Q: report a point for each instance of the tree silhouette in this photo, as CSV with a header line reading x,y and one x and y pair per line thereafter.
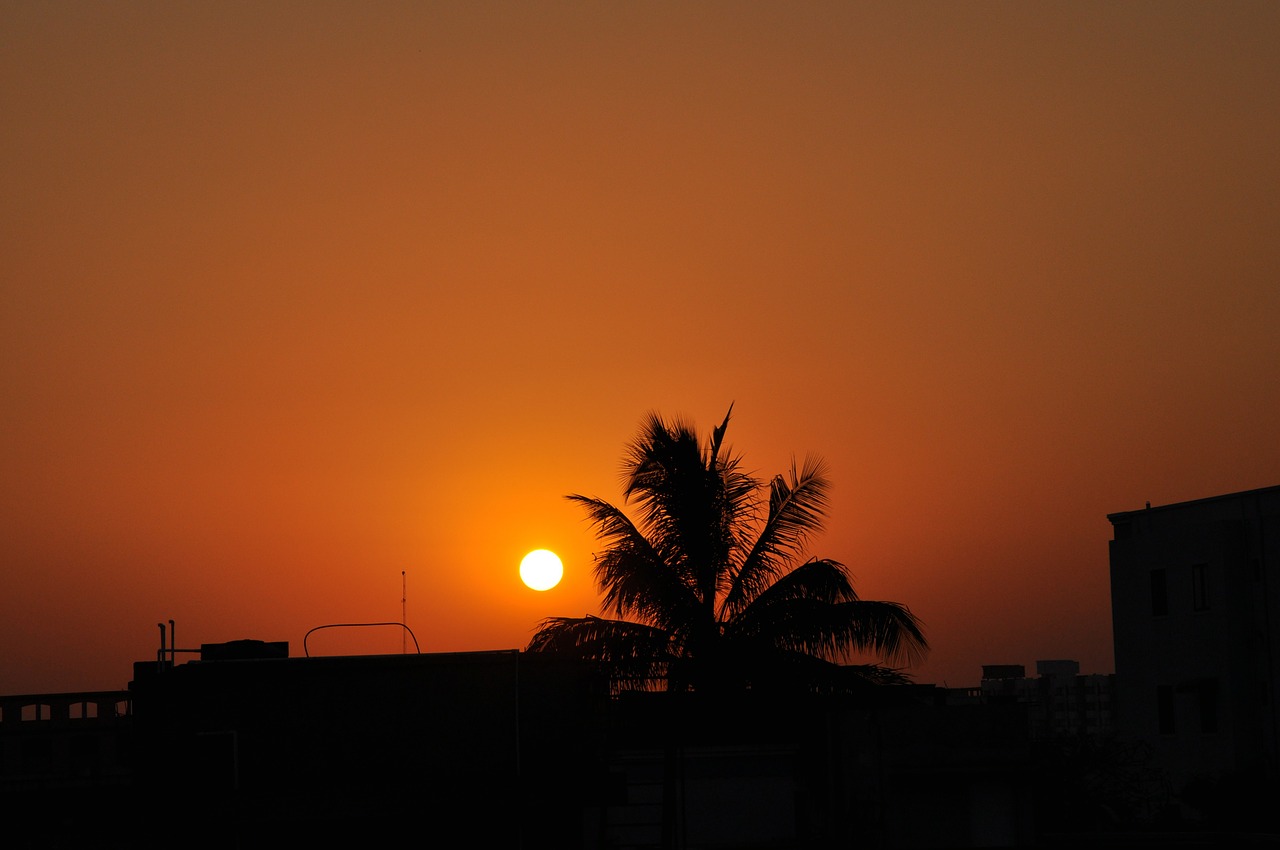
x,y
705,588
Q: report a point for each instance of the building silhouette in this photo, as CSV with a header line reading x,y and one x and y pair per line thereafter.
x,y
1061,702
247,747
1196,617
66,767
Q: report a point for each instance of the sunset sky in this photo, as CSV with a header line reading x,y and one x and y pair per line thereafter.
x,y
299,296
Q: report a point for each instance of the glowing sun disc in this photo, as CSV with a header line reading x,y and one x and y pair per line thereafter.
x,y
541,569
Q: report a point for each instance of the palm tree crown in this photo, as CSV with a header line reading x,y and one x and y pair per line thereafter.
x,y
705,585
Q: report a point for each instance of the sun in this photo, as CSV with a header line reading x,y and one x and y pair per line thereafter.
x,y
541,569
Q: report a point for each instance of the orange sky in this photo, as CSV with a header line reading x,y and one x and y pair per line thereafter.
x,y
298,296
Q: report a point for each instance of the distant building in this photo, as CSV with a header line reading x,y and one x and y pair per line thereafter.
x,y
1195,602
1060,702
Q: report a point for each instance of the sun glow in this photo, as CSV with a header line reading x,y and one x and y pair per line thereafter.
x,y
541,569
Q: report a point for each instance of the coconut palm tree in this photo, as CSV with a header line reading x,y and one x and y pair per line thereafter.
x,y
706,588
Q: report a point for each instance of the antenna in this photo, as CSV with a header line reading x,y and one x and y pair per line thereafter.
x,y
403,595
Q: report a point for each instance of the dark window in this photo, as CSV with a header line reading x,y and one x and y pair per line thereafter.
x,y
1164,708
1159,592
36,711
213,761
36,755
1209,706
1200,587
82,753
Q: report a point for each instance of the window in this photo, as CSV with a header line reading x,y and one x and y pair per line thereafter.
x,y
1200,587
82,754
1208,692
36,755
1159,593
1164,709
84,710
36,711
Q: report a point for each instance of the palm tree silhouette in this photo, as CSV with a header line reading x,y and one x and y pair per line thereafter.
x,y
705,586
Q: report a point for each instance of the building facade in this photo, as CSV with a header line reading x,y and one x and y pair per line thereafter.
x,y
1061,703
1197,636
248,747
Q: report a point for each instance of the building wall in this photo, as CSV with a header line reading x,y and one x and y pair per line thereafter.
x,y
52,740
895,767
66,770
278,752
1193,601
510,749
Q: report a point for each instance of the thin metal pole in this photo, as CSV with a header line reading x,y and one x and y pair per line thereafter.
x,y
403,595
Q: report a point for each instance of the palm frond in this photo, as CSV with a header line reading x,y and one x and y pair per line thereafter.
x,y
741,508
887,630
717,437
815,609
666,476
797,510
873,674
625,649
637,586
817,578
635,578
690,501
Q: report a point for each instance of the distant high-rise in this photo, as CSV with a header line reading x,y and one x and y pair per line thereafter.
x,y
1061,703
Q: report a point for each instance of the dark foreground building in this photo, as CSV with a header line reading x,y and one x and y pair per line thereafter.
x,y
496,747
1196,615
66,769
247,747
